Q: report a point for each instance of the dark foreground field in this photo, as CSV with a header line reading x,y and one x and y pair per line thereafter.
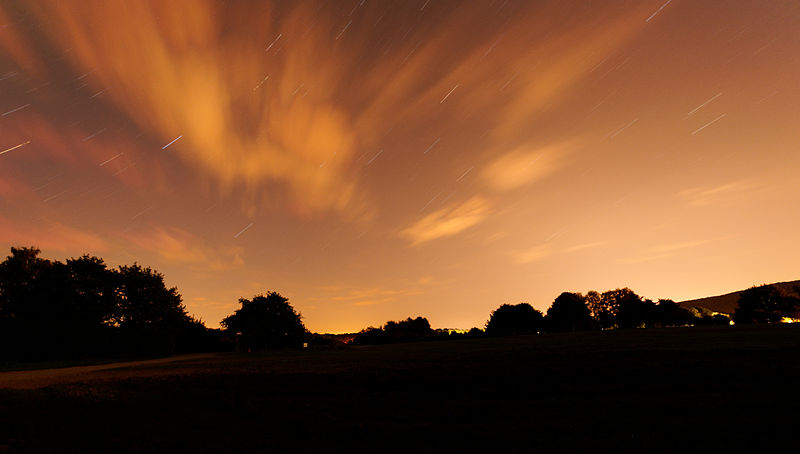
x,y
644,390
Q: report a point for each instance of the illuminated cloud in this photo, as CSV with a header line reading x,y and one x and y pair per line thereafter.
x,y
176,72
371,296
51,236
710,195
581,247
572,56
264,95
666,250
533,254
447,221
95,153
175,245
671,247
13,44
13,189
524,166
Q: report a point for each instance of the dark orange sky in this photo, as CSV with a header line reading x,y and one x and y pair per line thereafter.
x,y
374,160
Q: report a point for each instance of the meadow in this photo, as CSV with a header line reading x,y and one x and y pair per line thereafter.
x,y
649,390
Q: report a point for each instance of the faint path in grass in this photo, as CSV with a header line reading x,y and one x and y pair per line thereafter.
x,y
32,379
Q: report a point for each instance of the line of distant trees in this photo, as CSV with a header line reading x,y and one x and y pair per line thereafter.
x,y
613,309
619,308
82,308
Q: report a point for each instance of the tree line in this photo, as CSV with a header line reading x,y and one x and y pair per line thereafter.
x,y
613,309
82,308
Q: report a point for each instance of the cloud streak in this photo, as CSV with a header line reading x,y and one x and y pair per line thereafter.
x,y
524,166
447,221
711,195
175,245
533,254
52,236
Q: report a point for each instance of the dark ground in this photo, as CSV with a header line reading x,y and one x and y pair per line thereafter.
x,y
657,390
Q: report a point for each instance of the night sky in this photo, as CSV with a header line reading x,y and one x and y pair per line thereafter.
x,y
374,160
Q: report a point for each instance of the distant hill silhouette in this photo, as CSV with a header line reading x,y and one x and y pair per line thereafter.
x,y
728,302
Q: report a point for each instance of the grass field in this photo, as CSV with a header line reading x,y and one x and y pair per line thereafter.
x,y
655,390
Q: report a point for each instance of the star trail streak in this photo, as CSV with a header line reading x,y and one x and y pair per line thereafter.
x,y
15,147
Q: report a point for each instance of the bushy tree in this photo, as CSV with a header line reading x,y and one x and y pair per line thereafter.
x,y
629,310
669,313
568,313
145,300
509,320
26,318
370,336
765,304
51,309
266,322
408,330
21,276
92,292
601,310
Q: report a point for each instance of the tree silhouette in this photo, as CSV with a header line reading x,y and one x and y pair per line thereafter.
x,y
145,301
508,320
370,336
669,313
266,322
20,276
568,313
51,309
150,316
601,310
629,309
30,316
92,292
765,304
408,330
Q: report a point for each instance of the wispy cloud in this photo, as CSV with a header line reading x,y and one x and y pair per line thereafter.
x,y
371,296
665,250
710,195
533,254
677,246
524,166
644,258
51,236
447,221
581,247
179,246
